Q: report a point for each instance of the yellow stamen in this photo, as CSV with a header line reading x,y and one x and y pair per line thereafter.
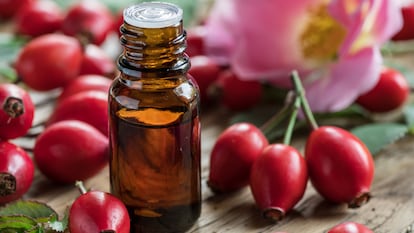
x,y
322,36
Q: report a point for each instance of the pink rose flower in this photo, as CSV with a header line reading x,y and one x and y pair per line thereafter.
x,y
333,44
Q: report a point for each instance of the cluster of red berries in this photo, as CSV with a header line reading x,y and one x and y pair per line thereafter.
x,y
218,83
16,166
338,164
63,52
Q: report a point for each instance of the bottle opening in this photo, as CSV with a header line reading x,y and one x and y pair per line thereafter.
x,y
153,15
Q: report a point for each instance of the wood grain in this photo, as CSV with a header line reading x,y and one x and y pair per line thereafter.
x,y
391,208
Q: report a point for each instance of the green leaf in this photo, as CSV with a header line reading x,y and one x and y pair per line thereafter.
x,y
378,135
31,217
60,226
408,112
36,210
17,224
10,46
7,74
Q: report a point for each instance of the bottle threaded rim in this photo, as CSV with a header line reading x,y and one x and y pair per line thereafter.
x,y
153,15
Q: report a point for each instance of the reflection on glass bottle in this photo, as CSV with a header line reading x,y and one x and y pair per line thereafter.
x,y
154,123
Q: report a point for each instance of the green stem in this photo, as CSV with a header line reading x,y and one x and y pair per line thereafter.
x,y
275,120
292,120
300,91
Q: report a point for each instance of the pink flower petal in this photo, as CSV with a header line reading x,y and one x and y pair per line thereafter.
x,y
345,80
265,35
369,21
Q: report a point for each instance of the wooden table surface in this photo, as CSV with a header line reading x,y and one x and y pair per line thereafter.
x,y
391,209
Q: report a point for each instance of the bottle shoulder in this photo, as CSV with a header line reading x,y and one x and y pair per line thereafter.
x,y
171,91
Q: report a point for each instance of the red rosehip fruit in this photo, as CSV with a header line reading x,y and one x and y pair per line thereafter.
x,y
96,61
87,106
49,61
195,41
233,155
278,180
39,18
237,94
341,168
9,8
16,113
97,211
16,172
71,150
391,92
205,72
407,30
90,21
350,227
87,82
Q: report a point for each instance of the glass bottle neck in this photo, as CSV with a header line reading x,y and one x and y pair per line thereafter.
x,y
149,51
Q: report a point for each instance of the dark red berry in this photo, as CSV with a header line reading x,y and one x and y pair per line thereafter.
x,y
38,18
237,94
16,172
49,61
205,71
9,8
233,155
350,227
71,150
341,168
88,82
97,211
390,93
96,61
278,180
90,21
87,106
195,41
16,111
407,30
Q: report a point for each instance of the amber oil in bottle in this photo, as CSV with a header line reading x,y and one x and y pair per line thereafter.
x,y
154,123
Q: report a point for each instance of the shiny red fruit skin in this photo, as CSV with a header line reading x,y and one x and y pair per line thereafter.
x,y
88,20
49,61
96,211
390,93
278,179
407,31
237,94
232,156
87,82
15,122
118,21
205,71
96,61
70,150
350,227
341,168
9,8
16,162
87,106
195,41
39,18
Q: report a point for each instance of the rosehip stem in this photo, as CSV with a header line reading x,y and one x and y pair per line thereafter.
x,y
81,187
300,91
269,126
292,120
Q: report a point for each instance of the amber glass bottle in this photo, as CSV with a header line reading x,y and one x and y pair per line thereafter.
x,y
154,123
